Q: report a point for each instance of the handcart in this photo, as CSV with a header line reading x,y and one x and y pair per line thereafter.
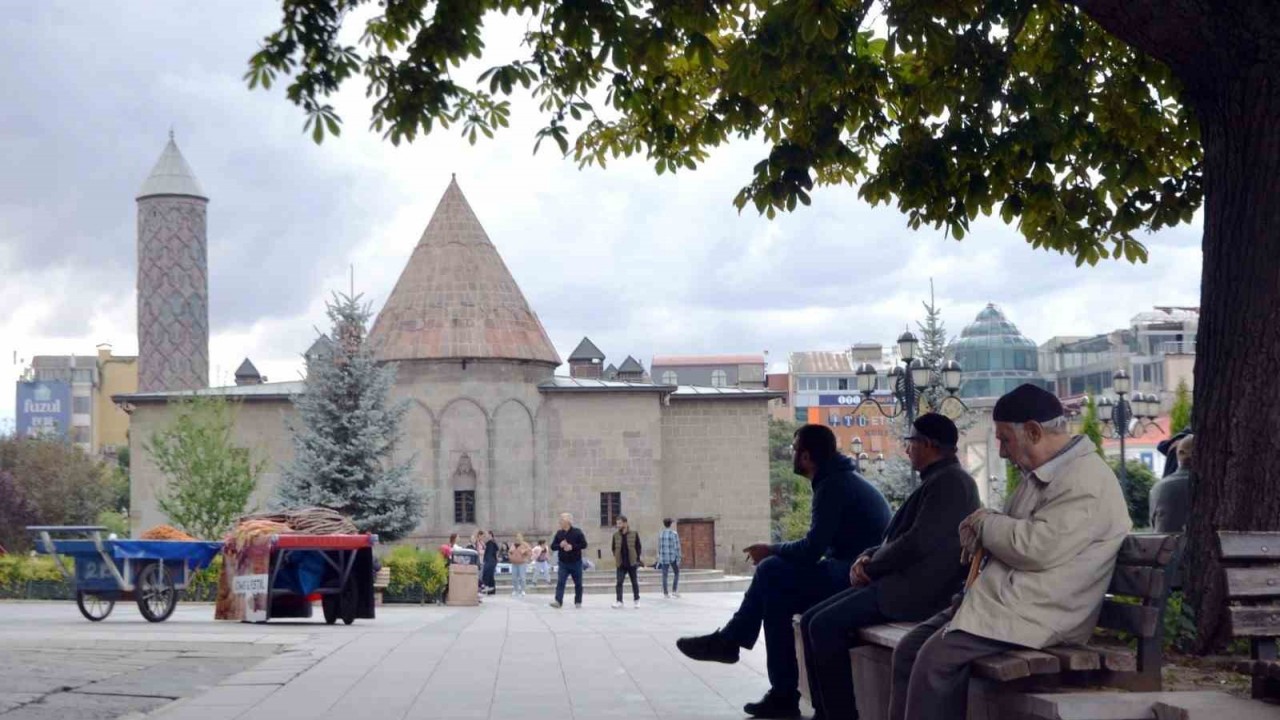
x,y
299,569
151,572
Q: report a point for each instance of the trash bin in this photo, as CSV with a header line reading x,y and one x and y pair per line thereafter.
x,y
463,585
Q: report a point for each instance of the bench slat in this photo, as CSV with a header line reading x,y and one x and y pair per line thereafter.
x,y
1249,545
1254,582
1002,668
1075,657
1256,621
1147,549
1116,660
1136,619
1137,581
1038,663
882,635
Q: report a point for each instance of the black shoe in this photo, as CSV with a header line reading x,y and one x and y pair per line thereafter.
x,y
773,705
711,648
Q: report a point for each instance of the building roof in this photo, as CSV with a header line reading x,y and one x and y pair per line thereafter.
x,y
265,391
55,362
991,330
780,382
698,360
560,383
456,299
630,365
586,351
819,362
171,175
699,392
247,369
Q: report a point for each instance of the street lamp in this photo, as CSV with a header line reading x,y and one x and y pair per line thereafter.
x,y
858,455
911,380
1118,415
879,462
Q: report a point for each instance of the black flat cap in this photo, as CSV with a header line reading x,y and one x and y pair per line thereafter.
x,y
935,427
1025,403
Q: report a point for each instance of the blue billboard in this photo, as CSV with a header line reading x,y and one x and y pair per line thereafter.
x,y
44,408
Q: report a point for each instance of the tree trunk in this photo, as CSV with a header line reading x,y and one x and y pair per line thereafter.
x,y
1237,375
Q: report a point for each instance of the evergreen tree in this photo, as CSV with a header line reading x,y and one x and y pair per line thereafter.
x,y
933,349
347,432
1090,426
1180,415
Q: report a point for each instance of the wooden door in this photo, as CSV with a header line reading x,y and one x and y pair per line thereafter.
x,y
698,543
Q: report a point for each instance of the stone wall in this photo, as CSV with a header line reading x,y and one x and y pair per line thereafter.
x,y
715,466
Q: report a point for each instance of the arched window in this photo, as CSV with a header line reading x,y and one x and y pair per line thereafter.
x,y
719,378
669,378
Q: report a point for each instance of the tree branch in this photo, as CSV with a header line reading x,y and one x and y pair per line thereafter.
x,y
1172,31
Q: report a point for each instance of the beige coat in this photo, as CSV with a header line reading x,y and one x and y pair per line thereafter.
x,y
519,553
1051,557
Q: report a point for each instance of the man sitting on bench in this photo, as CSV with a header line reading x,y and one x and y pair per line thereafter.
x,y
909,577
1046,561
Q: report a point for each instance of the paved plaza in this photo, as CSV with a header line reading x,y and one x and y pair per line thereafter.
x,y
508,658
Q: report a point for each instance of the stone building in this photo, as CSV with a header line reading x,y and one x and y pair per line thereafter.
x,y
502,442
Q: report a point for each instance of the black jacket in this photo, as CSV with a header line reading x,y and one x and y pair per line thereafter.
x,y
849,515
490,552
917,568
577,541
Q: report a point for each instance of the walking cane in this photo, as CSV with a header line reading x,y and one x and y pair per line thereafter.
x,y
975,565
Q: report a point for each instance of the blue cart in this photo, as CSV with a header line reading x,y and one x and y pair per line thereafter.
x,y
106,570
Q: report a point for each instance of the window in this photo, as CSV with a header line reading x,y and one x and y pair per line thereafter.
x,y
464,506
719,378
843,384
610,508
669,378
80,435
81,405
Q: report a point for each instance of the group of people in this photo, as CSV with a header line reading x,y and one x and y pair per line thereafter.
x,y
1040,568
522,557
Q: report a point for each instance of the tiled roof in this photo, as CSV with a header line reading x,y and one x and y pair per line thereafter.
x,y
247,369
696,360
560,383
630,365
698,392
265,391
456,299
586,350
171,175
805,363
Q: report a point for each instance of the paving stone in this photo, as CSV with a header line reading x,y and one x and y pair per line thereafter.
x,y
61,706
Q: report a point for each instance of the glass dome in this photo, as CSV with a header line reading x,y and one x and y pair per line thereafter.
x,y
996,357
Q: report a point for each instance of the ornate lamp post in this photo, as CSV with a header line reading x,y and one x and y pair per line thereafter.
x,y
1118,415
910,380
858,455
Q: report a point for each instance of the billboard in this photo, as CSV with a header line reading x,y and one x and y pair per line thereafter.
x,y
44,408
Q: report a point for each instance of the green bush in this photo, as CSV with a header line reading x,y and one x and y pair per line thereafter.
x,y
18,570
204,583
114,522
1137,490
414,570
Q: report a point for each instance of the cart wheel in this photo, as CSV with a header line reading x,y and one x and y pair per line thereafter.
x,y
157,597
330,605
95,608
348,600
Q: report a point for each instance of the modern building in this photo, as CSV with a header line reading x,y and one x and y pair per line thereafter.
x,y
501,442
995,357
173,278
89,418
824,390
745,371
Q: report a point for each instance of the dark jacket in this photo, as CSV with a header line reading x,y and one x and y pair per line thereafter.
x,y
849,515
1170,502
490,552
1169,448
917,569
632,541
577,541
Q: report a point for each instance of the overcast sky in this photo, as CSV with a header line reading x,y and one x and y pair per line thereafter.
x,y
643,264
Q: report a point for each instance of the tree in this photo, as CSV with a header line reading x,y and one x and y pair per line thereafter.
x,y
896,480
933,348
784,484
1012,477
1136,487
56,480
1180,413
1082,122
1090,426
346,434
209,477
16,513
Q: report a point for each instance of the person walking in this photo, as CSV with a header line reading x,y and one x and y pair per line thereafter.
x,y
669,557
626,557
490,563
569,542
447,549
519,558
542,562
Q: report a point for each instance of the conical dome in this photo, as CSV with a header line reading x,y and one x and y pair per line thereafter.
x,y
995,356
171,175
457,300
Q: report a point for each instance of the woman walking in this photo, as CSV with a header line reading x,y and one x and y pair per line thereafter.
x,y
519,556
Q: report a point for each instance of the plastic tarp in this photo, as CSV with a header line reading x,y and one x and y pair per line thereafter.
x,y
302,572
199,553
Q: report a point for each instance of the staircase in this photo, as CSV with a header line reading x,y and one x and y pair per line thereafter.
x,y
602,582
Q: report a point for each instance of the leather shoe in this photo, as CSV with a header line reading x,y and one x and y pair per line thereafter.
x,y
710,648
773,705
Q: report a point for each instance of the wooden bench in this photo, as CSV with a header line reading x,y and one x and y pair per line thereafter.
x,y
1251,564
1134,605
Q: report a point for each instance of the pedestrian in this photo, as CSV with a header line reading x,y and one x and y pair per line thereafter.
x,y
519,558
1044,564
626,558
447,549
542,563
849,515
570,542
669,557
490,563
908,577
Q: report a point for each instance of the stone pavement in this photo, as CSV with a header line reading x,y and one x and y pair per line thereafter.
x,y
508,658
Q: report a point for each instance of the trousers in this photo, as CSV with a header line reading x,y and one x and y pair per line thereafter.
x,y
565,571
780,589
543,568
931,668
635,583
826,629
675,568
518,571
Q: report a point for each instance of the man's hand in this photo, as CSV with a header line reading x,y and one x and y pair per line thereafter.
x,y
565,546
757,552
971,535
857,574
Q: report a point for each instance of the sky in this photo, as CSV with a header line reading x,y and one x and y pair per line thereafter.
x,y
642,264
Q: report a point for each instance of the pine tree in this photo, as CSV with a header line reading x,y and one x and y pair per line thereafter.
x,y
347,432
933,349
1180,414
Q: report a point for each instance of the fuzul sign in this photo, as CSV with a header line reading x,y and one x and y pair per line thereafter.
x,y
44,408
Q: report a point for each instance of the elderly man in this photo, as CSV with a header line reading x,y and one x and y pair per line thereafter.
x,y
1170,500
909,576
1048,561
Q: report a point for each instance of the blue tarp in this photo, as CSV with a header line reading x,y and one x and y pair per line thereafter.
x,y
199,553
302,572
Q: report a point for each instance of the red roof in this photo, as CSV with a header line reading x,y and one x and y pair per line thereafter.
x,y
688,360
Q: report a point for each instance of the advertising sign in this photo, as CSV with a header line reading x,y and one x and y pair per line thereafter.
x,y
846,400
44,408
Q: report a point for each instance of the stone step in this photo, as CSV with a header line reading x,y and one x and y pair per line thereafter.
x,y
505,579
648,585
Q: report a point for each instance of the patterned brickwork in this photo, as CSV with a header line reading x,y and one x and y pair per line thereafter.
x,y
173,294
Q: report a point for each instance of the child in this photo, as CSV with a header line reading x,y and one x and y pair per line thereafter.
x,y
542,562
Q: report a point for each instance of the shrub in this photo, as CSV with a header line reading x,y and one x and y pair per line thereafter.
x,y
414,570
18,570
1137,489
